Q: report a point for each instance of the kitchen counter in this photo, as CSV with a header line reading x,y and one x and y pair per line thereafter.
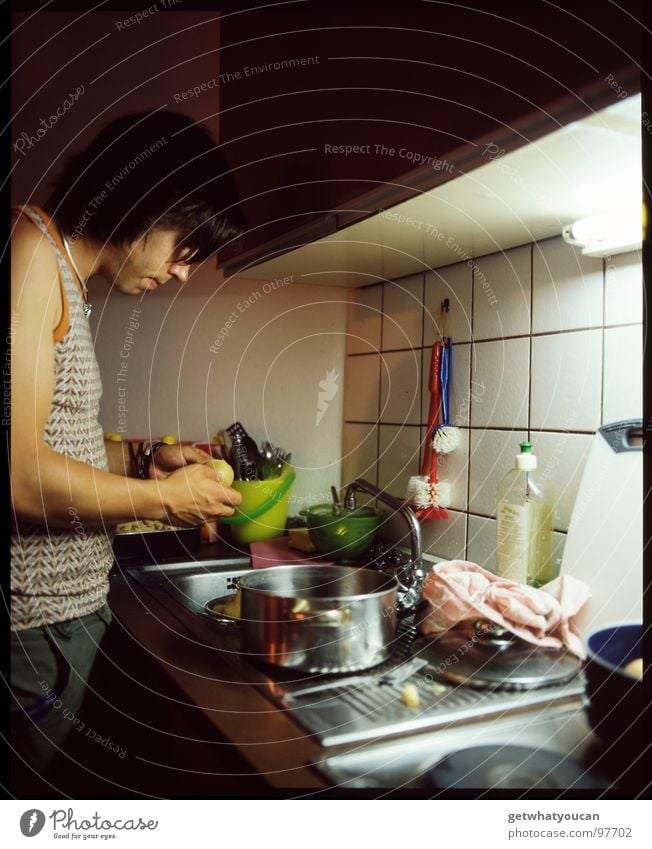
x,y
273,744
282,752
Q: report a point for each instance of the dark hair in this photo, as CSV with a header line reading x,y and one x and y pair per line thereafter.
x,y
149,170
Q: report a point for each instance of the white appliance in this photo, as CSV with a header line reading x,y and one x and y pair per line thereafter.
x,y
604,547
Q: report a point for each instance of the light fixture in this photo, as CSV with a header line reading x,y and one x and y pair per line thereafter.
x,y
604,235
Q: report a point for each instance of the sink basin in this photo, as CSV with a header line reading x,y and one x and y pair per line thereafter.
x,y
193,590
192,583
184,589
218,555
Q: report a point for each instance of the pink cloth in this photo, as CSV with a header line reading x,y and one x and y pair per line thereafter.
x,y
459,591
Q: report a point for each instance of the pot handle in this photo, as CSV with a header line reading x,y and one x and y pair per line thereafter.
x,y
335,618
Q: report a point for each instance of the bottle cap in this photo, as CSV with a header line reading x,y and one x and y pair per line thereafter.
x,y
525,461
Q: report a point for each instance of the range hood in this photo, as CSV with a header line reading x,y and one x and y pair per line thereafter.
x,y
582,169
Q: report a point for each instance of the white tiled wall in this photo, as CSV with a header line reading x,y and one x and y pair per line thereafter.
x,y
547,346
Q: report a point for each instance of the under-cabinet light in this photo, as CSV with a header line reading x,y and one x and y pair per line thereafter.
x,y
604,235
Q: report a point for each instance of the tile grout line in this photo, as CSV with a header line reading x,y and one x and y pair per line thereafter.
x,y
604,321
423,370
423,339
470,396
380,361
476,515
543,333
488,428
529,388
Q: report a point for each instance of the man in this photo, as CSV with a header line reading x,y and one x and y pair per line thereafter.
x,y
148,197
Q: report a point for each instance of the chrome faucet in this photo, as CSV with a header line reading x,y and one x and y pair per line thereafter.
x,y
412,576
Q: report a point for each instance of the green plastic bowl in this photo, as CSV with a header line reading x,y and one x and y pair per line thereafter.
x,y
341,538
264,509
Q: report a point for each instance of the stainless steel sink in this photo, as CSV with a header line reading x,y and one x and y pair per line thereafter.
x,y
219,555
192,588
335,709
184,589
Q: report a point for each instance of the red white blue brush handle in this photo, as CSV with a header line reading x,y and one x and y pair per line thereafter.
x,y
429,464
444,372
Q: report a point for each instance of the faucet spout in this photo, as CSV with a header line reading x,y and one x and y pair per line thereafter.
x,y
414,575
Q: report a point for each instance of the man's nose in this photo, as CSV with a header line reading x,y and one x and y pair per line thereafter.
x,y
180,271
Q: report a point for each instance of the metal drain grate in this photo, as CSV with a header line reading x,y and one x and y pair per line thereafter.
x,y
362,707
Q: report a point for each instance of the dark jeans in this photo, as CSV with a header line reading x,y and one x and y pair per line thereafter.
x,y
50,668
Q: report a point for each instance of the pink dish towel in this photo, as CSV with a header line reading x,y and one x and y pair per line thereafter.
x,y
459,591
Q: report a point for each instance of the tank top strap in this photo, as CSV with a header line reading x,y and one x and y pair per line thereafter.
x,y
44,224
38,217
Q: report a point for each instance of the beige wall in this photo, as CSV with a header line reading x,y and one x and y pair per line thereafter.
x,y
209,354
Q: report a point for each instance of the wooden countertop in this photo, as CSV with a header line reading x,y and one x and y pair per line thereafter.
x,y
275,746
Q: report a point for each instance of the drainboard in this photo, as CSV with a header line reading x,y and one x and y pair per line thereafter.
x,y
338,709
405,763
341,714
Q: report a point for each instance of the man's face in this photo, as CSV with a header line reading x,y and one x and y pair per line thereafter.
x,y
149,262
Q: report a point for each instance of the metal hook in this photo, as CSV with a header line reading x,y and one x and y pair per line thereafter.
x,y
444,306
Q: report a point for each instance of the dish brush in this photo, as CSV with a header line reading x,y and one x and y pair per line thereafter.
x,y
446,438
425,491
428,494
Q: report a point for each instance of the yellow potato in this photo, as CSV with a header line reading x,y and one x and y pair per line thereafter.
x,y
634,668
226,472
410,696
230,606
299,538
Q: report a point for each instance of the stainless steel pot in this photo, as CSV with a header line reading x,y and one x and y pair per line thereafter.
x,y
318,619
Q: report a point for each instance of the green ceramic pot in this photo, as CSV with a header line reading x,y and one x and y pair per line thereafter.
x,y
345,537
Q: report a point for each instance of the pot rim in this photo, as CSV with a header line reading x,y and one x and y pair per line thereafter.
x,y
392,584
594,657
362,511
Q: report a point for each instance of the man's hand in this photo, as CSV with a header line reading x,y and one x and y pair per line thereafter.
x,y
168,458
193,495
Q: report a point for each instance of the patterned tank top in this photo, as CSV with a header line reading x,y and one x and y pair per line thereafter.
x,y
62,573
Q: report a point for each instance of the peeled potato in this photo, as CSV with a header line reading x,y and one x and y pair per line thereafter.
x,y
226,472
410,696
299,538
634,668
230,606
